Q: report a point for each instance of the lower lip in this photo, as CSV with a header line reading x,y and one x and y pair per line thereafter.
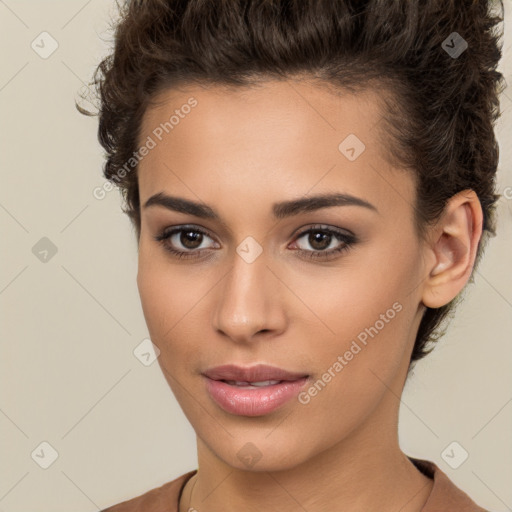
x,y
253,402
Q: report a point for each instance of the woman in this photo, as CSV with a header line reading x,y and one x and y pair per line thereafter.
x,y
312,184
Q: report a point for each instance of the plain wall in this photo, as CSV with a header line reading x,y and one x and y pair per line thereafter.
x,y
69,325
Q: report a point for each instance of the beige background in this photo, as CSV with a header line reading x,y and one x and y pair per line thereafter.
x,y
69,326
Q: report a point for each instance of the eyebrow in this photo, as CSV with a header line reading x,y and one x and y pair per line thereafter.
x,y
280,210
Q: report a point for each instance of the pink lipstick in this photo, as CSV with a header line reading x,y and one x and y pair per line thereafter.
x,y
252,391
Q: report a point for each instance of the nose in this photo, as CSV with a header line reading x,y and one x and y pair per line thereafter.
x,y
248,304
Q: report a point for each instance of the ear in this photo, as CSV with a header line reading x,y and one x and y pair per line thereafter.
x,y
453,245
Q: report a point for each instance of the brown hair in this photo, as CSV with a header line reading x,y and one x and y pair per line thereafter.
x,y
440,104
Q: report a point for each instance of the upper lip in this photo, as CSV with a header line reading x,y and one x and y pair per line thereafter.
x,y
257,373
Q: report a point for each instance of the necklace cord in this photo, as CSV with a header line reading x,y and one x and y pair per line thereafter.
x,y
191,491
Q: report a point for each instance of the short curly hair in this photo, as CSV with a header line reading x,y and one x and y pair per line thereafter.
x,y
433,61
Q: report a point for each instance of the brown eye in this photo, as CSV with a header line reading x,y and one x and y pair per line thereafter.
x,y
190,239
320,238
184,241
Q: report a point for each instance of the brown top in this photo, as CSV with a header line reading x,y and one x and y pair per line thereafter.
x,y
445,496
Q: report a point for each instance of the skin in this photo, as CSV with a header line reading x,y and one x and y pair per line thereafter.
x,y
239,151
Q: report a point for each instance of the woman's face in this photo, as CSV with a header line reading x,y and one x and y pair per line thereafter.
x,y
257,287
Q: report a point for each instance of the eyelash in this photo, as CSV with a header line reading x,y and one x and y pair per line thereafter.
x,y
347,239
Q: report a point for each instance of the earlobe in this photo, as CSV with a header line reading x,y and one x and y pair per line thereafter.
x,y
455,241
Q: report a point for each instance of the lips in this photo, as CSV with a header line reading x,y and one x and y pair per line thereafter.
x,y
253,391
259,373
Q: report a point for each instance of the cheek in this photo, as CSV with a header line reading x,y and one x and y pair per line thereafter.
x,y
162,296
165,306
367,338
369,310
170,301
367,295
357,369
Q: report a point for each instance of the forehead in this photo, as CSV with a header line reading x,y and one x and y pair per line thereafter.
x,y
267,139
262,108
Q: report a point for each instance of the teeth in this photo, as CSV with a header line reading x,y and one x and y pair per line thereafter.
x,y
250,384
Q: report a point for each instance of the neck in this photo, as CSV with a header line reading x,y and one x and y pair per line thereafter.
x,y
365,471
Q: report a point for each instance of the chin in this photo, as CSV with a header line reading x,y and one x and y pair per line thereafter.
x,y
260,453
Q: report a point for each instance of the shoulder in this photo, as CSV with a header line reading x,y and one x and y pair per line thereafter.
x,y
160,499
445,495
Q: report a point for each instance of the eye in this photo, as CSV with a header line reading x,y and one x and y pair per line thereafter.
x,y
189,237
320,238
